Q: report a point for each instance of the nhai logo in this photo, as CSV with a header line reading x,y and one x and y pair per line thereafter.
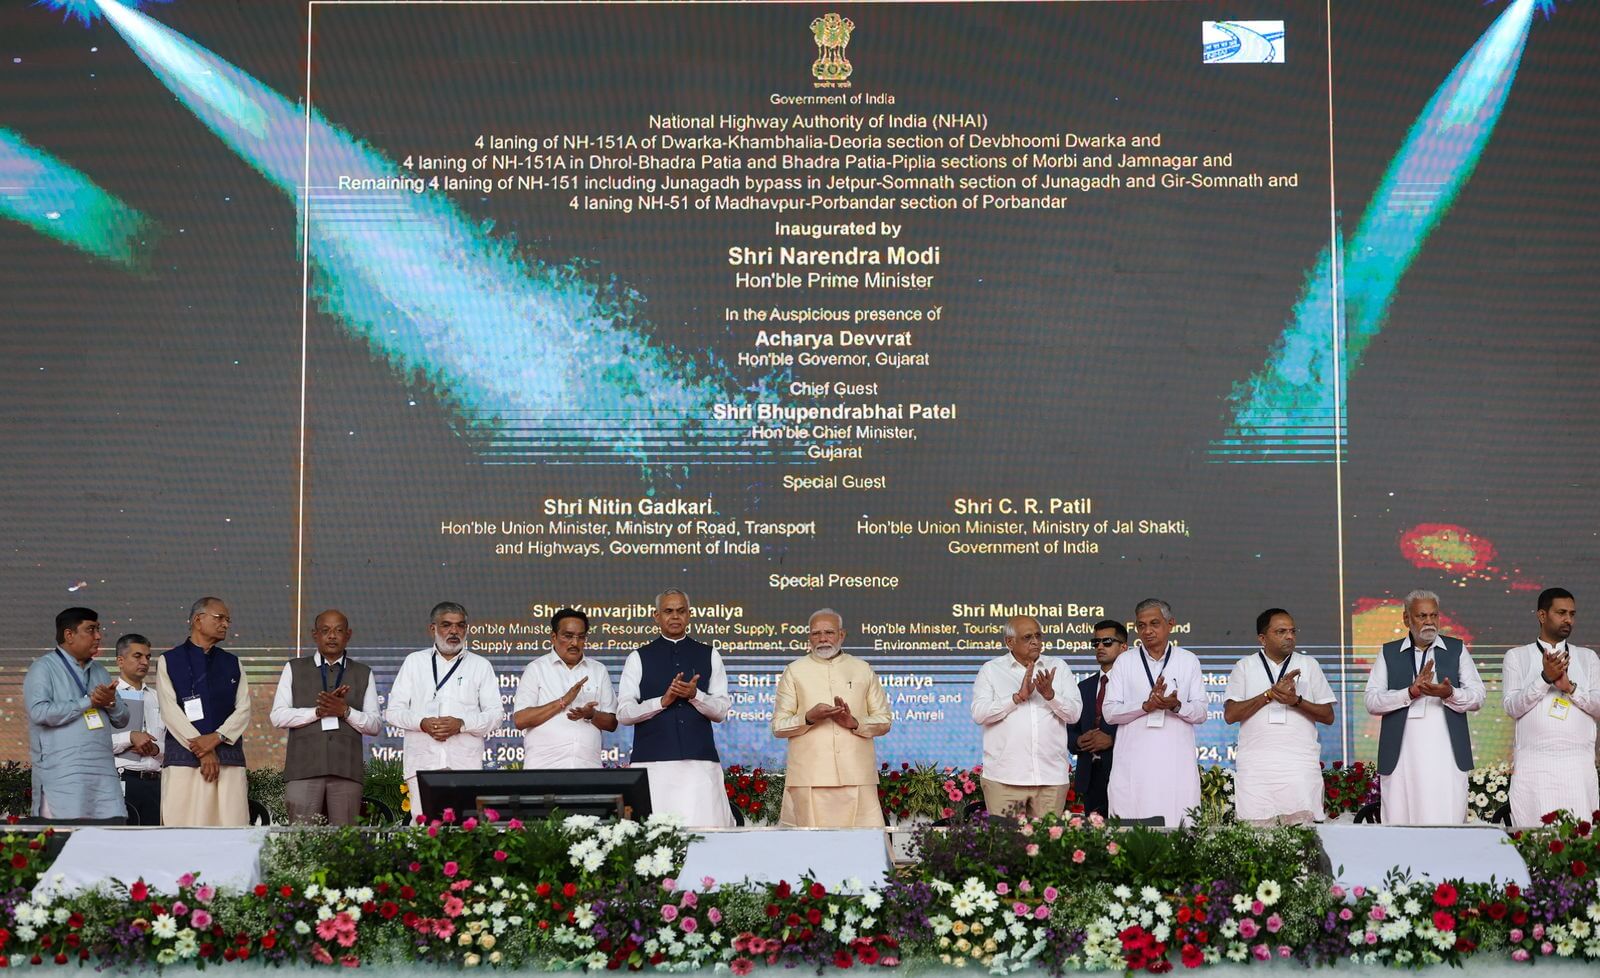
x,y
1242,42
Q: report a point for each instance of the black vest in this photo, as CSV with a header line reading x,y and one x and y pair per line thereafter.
x,y
214,677
680,732
1402,666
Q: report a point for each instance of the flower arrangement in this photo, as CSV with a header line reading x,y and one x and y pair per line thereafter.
x,y
756,794
1216,795
1488,790
1348,789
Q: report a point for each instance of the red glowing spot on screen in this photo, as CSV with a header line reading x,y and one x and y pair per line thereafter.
x,y
1447,547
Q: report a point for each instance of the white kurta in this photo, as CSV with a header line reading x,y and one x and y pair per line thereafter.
x,y
559,742
471,694
692,790
1025,743
1278,769
1426,788
1552,765
1155,772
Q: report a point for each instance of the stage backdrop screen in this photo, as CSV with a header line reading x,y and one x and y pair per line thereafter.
x,y
931,314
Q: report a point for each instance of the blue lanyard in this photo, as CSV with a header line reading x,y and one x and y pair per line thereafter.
x,y
322,665
1166,658
433,664
1267,665
78,681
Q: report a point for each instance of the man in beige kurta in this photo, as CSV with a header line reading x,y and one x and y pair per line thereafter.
x,y
829,707
205,704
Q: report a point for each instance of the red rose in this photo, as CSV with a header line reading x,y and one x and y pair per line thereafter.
x,y
1584,828
1443,920
19,861
1184,915
772,910
1513,891
569,890
543,889
818,891
1464,946
842,959
744,783
139,892
269,940
1556,845
207,950
1579,867
1444,895
761,787
388,910
743,801
407,893
814,917
285,891
261,889
1497,910
1549,818
61,959
1519,918
783,890
793,920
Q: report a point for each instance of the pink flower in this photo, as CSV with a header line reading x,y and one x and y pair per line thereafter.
x,y
707,882
669,913
714,915
451,868
1538,931
1033,849
1024,887
205,893
1096,819
1274,924
187,879
500,855
1372,937
1055,832
1261,952
1113,848
443,929
1027,828
953,795
460,885
1547,948
491,815
470,824
690,899
1041,912
669,884
1248,928
1345,914
200,920
514,824
415,867
1377,912
689,924
453,907
449,815
1359,892
1002,888
1336,891
179,908
1078,855
320,954
350,961
327,929
433,831
1050,894
1520,955
1283,951
1256,907
1516,934
946,812
741,966
1020,909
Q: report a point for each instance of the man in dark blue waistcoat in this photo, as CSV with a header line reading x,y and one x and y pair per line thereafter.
x,y
672,691
205,705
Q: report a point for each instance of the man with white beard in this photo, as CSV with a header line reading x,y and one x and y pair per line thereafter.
x,y
447,700
1423,686
831,780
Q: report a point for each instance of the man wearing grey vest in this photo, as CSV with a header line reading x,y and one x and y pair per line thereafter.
x,y
325,766
1423,686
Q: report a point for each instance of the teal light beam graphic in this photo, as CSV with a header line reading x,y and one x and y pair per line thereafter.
x,y
1287,411
58,201
536,361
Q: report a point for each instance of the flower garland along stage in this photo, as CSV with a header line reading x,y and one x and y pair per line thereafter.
x,y
988,894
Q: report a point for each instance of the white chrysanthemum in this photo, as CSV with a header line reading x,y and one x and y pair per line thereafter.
x,y
869,922
1149,894
1413,908
1268,892
872,900
302,928
324,912
165,926
312,891
1121,892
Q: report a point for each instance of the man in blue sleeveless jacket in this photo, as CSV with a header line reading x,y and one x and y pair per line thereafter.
x,y
205,704
1423,686
672,691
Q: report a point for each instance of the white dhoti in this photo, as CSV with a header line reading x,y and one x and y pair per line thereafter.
x,y
1426,787
692,790
844,807
188,799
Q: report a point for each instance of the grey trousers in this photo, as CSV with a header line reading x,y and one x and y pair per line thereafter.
x,y
323,800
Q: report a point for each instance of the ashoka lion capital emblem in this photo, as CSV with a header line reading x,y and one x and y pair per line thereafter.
x,y
832,34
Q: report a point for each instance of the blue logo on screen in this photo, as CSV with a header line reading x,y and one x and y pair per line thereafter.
x,y
1240,42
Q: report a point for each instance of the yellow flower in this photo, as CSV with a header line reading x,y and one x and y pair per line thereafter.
x,y
963,945
465,940
959,927
486,942
977,928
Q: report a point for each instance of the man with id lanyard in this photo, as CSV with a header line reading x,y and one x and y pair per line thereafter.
x,y
1423,686
1278,696
325,765
1156,697
447,700
72,707
205,705
1552,691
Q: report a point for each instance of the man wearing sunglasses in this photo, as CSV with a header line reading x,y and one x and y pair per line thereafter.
x,y
1090,738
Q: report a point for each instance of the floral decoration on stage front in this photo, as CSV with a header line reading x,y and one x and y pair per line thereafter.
x,y
1488,791
992,894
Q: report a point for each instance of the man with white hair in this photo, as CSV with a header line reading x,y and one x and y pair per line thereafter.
x,y
672,690
829,707
1025,701
1423,686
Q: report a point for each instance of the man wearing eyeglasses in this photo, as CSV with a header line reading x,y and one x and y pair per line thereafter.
x,y
205,705
72,707
1090,738
447,699
1024,701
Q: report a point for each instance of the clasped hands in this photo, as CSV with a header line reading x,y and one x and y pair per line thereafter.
x,y
584,712
1283,690
103,697
1159,698
839,713
1555,671
1043,682
681,689
1425,686
332,704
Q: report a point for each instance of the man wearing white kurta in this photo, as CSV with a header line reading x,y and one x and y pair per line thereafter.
x,y
1156,697
1278,696
672,690
447,700
564,700
1552,691
1024,701
1423,686
828,708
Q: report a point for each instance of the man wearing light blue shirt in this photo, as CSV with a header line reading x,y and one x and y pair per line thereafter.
x,y
72,708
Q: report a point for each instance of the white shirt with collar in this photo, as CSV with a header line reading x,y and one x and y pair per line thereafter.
x,y
471,694
1553,753
286,716
559,742
1025,744
124,756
